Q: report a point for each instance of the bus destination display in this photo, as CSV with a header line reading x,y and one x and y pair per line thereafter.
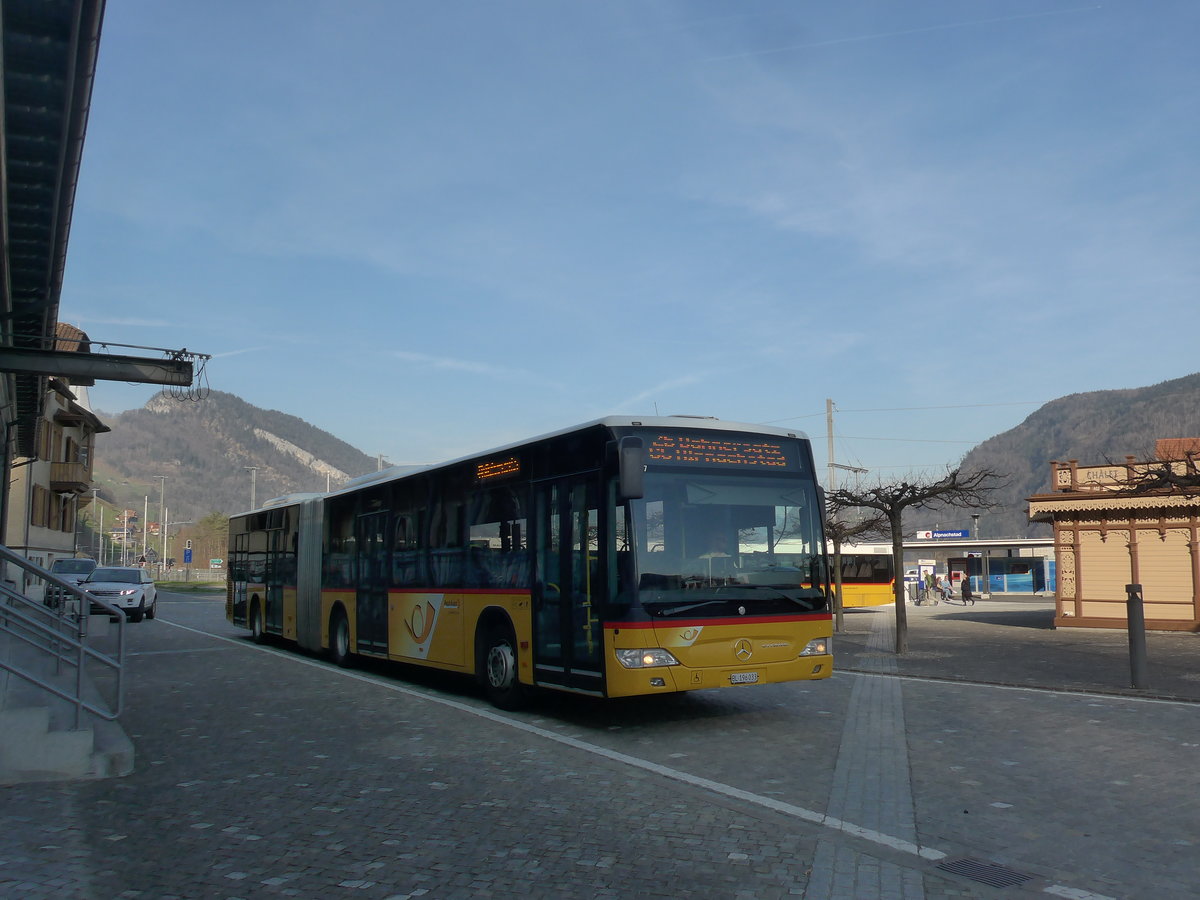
x,y
722,452
497,468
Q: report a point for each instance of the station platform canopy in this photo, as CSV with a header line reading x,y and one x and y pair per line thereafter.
x,y
50,50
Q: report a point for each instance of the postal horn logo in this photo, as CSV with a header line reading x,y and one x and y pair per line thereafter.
x,y
421,622
743,650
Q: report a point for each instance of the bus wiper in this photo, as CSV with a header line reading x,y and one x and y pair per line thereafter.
x,y
806,603
686,608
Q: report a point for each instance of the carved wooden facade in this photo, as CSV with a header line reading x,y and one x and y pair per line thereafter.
x,y
1127,523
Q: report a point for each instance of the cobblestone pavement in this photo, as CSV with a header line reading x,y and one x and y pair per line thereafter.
x,y
1012,640
264,773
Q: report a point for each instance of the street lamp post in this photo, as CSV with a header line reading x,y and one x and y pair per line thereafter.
x,y
982,560
162,517
146,528
253,479
97,508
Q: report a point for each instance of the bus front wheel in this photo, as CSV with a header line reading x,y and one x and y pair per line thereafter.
x,y
339,639
501,683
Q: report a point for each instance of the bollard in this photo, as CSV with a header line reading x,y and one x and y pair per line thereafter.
x,y
1136,617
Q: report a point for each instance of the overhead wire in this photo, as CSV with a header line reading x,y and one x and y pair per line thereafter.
x,y
912,409
858,437
847,454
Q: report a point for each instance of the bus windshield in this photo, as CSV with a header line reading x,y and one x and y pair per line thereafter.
x,y
716,545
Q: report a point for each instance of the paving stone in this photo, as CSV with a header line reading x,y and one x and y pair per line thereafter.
x,y
259,774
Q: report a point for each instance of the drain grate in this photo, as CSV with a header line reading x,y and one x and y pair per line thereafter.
x,y
984,872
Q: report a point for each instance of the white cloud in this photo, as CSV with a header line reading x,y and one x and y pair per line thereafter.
x,y
661,391
451,364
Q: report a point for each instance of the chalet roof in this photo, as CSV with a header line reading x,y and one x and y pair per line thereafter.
x,y
1176,448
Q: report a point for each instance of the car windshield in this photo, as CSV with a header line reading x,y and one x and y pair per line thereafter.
x,y
736,545
131,576
73,566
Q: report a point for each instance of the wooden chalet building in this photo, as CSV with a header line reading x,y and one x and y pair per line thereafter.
x,y
1127,523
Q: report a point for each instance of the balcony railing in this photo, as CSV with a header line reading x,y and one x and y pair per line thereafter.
x,y
69,476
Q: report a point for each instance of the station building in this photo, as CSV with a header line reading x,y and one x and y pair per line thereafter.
x,y
1130,523
53,482
994,565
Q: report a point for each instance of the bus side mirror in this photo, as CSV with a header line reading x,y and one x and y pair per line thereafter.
x,y
631,458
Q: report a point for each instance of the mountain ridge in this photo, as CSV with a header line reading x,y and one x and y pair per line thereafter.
x,y
1093,427
221,454
215,453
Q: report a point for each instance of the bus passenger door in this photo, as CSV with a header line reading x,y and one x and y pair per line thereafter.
x,y
373,569
567,633
239,566
273,578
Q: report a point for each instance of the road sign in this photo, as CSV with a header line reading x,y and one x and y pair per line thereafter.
x,y
216,563
187,556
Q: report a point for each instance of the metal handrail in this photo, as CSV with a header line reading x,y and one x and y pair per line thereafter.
x,y
60,632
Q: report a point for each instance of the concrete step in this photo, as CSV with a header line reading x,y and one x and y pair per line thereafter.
x,y
30,751
38,737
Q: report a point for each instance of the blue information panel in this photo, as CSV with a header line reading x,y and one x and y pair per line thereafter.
x,y
187,556
950,534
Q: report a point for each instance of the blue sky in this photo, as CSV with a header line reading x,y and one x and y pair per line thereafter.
x,y
432,228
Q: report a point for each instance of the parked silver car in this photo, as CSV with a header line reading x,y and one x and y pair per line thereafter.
x,y
130,588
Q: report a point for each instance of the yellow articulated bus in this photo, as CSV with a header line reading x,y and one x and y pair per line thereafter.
x,y
868,579
624,557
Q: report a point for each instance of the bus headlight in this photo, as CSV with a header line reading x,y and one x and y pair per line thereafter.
x,y
818,647
646,659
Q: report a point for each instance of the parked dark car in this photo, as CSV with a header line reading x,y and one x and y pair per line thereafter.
x,y
69,569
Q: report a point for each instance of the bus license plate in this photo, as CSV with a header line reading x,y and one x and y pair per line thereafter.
x,y
743,677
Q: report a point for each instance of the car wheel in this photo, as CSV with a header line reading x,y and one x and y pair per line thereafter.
x,y
500,681
139,613
339,639
153,610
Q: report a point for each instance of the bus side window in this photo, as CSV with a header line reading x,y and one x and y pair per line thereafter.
x,y
446,550
406,552
621,587
498,556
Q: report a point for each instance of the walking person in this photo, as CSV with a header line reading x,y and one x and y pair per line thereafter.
x,y
967,596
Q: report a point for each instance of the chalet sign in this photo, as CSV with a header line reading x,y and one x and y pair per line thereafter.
x,y
1069,477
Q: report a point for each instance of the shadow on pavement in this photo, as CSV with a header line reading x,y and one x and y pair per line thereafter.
x,y
1020,618
1015,643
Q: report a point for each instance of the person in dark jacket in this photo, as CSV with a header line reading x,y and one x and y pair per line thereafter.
x,y
967,596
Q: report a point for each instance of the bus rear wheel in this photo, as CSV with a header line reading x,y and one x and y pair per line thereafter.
x,y
500,681
339,639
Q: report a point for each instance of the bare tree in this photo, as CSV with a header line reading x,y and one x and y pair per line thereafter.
x,y
1153,476
840,529
970,490
1163,476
